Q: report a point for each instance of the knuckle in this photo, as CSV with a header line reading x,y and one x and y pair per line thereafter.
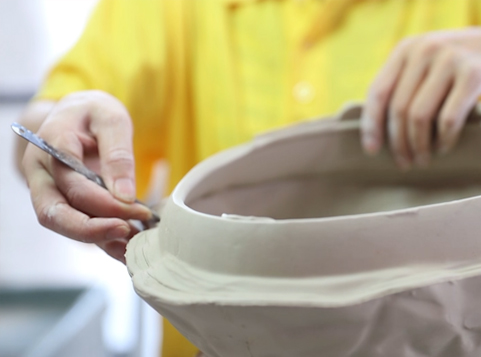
x,y
111,109
447,58
105,101
43,217
73,195
448,122
379,95
46,215
115,118
432,46
78,99
119,156
89,96
429,46
98,93
418,118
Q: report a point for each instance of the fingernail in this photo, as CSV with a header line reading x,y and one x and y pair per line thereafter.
x,y
118,232
370,143
146,211
124,189
403,163
422,160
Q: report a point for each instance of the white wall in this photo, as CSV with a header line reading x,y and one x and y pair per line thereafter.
x,y
33,34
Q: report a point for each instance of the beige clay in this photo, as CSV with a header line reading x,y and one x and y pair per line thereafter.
x,y
297,244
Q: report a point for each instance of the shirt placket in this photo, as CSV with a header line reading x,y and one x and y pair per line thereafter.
x,y
307,65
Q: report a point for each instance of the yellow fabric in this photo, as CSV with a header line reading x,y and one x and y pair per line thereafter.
x,y
200,76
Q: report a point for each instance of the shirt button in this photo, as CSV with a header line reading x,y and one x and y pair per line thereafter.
x,y
303,92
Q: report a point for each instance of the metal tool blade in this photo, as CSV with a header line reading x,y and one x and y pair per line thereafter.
x,y
66,159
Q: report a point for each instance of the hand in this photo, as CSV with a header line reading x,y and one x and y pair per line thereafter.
x,y
95,128
429,85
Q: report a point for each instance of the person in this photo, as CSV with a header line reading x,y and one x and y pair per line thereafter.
x,y
181,80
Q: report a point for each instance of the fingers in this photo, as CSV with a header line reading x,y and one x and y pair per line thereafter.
x,y
113,131
103,124
116,248
95,124
461,99
413,73
425,105
433,83
399,146
55,213
89,198
374,114
86,125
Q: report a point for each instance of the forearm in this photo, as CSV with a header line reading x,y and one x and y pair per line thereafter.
x,y
32,118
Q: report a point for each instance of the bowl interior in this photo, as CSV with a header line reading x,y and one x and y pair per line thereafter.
x,y
326,174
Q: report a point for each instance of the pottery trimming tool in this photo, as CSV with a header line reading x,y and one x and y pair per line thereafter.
x,y
74,164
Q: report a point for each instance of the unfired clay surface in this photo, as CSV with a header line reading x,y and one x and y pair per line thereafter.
x,y
299,245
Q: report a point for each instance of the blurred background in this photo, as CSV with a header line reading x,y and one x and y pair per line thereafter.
x,y
57,297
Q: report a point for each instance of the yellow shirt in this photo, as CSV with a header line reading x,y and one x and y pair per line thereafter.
x,y
198,76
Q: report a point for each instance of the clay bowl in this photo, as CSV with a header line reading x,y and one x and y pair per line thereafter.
x,y
297,244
